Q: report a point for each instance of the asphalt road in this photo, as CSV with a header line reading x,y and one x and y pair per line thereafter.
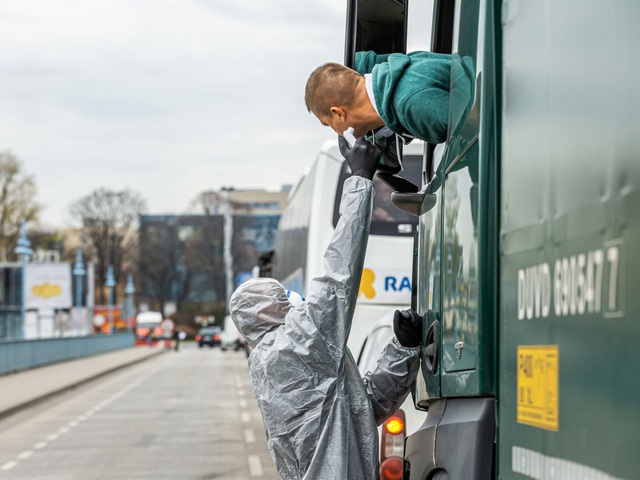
x,y
182,415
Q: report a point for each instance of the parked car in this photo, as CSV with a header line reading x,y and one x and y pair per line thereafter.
x,y
406,420
210,336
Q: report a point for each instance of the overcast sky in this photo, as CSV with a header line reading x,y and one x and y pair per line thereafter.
x,y
165,97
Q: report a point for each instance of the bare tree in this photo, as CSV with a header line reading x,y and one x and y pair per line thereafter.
x,y
214,205
109,219
157,263
209,253
173,255
17,200
211,202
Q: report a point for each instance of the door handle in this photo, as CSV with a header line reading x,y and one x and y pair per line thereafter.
x,y
431,348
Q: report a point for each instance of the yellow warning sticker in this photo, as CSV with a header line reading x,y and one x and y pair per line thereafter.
x,y
538,386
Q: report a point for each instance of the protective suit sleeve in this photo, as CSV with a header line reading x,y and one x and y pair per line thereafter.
x,y
331,298
390,382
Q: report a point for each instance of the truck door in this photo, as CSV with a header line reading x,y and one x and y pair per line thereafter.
x,y
457,258
459,173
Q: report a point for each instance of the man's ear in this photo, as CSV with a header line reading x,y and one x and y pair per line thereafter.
x,y
339,112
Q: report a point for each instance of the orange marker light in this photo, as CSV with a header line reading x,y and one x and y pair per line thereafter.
x,y
394,425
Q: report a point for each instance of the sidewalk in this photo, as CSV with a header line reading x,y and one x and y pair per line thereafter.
x,y
18,390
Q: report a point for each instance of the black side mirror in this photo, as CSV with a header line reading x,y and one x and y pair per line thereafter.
x,y
376,25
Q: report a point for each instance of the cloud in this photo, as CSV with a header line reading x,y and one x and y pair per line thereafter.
x,y
166,97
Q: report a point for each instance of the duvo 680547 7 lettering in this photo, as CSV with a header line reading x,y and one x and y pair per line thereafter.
x,y
584,283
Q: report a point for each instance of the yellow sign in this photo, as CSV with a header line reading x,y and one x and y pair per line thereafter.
x,y
47,290
538,386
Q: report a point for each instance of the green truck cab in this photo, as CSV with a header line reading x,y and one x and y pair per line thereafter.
x,y
525,263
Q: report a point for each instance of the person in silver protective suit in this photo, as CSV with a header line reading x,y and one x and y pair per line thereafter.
x,y
320,414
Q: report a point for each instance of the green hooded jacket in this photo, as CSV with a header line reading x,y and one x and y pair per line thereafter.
x,y
411,91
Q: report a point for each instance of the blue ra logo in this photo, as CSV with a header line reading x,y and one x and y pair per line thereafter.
x,y
396,284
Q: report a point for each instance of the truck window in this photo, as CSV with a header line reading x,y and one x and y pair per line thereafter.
x,y
378,25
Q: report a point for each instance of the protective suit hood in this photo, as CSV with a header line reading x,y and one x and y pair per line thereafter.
x,y
257,307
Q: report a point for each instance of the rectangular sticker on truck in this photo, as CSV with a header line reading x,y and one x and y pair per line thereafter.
x,y
538,386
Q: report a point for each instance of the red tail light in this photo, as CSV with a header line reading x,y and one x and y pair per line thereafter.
x,y
198,337
216,337
392,447
391,469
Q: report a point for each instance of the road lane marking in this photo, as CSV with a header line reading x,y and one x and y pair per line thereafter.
x,y
9,465
255,466
249,436
240,392
54,436
243,403
245,417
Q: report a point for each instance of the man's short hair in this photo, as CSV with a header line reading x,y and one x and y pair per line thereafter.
x,y
330,85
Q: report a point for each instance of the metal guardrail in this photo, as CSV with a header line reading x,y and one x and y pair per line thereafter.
x,y
10,322
17,355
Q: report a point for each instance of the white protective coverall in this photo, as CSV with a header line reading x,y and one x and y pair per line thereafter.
x,y
320,415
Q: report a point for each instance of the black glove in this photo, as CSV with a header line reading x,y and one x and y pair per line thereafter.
x,y
407,325
362,158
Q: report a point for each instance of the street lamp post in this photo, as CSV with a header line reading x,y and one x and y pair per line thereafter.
x,y
110,284
129,289
23,250
228,237
79,271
